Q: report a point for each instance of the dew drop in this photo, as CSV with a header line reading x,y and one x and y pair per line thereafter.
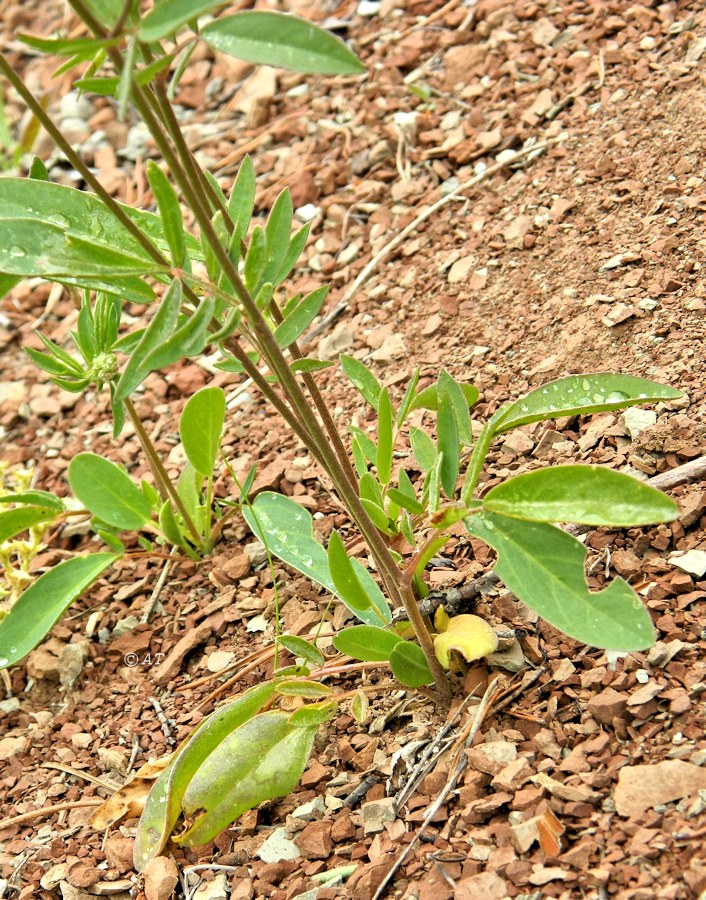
x,y
60,220
585,384
545,390
13,649
599,397
4,661
642,396
307,560
490,526
555,388
524,407
551,407
17,251
569,390
615,396
162,799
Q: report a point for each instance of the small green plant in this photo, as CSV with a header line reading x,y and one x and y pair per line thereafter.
x,y
223,287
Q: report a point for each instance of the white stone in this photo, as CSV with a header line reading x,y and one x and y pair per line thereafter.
x,y
278,846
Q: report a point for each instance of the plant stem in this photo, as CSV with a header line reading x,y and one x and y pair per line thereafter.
x,y
165,487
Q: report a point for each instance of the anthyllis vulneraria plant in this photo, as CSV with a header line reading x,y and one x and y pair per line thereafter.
x,y
223,286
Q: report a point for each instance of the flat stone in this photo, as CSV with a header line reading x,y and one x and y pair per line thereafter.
x,y
161,877
636,420
607,705
377,812
641,788
315,841
491,757
278,846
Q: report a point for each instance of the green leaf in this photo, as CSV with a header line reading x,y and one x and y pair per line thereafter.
x,y
409,665
277,232
460,402
299,647
313,690
405,501
159,330
169,525
255,260
296,323
242,197
590,495
296,246
363,380
107,491
313,714
423,449
35,498
170,15
377,515
201,427
67,46
544,567
188,340
369,489
45,600
169,211
278,39
408,399
309,364
15,521
262,759
385,438
163,805
344,576
367,643
366,444
83,215
288,531
447,440
32,247
582,394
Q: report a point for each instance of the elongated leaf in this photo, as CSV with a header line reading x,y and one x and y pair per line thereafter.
x,y
296,246
278,39
296,323
201,427
81,214
169,211
429,397
45,600
366,643
169,525
460,401
363,380
385,439
405,501
15,521
163,805
591,495
277,231
408,399
255,260
581,394
107,491
447,440
299,647
544,567
288,530
423,449
313,690
377,515
309,364
344,576
159,330
409,665
369,489
170,15
67,46
35,498
33,247
188,340
242,198
261,760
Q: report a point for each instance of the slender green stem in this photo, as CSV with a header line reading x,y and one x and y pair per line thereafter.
x,y
480,451
164,483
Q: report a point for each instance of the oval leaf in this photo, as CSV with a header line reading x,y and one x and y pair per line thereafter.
x,y
299,647
261,760
170,15
107,491
15,521
344,576
590,495
581,394
201,427
288,531
163,805
45,600
410,666
366,643
544,567
310,689
278,39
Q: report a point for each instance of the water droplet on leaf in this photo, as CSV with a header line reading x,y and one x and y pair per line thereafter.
x,y
17,251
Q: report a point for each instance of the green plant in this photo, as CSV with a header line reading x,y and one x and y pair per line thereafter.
x,y
224,287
